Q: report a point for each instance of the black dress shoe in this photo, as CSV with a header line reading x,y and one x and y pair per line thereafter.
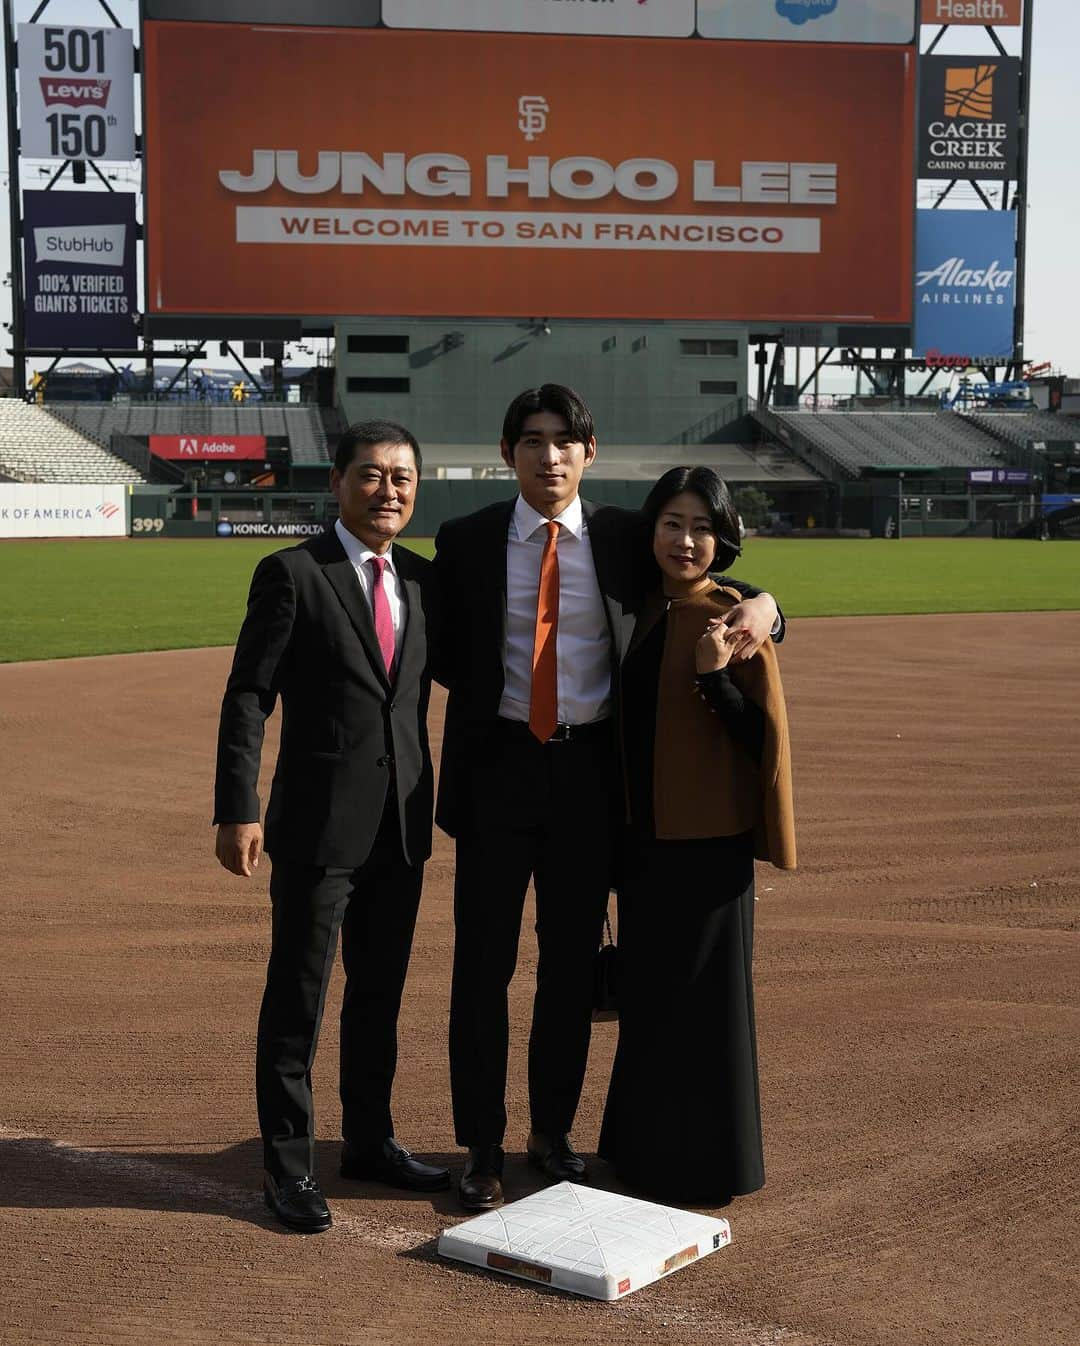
x,y
394,1165
298,1203
555,1158
480,1187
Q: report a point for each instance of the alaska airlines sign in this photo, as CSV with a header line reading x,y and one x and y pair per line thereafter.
x,y
965,284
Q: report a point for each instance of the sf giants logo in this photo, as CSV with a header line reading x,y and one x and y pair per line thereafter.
x,y
73,91
532,115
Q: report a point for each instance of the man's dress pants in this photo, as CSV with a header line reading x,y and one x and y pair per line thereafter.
x,y
543,811
374,907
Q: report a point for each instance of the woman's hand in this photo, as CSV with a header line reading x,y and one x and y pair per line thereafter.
x,y
715,648
752,620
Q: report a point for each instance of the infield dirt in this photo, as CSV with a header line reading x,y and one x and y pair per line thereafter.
x,y
918,1028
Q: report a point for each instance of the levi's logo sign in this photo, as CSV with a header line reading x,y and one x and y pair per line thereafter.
x,y
969,92
73,91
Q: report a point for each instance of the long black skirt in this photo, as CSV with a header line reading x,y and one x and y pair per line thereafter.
x,y
682,1121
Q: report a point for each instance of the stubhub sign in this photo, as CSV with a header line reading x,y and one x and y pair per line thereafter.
x,y
82,245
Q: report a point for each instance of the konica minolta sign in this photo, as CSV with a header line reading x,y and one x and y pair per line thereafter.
x,y
965,283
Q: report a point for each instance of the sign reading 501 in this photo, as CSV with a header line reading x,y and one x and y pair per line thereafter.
x,y
76,93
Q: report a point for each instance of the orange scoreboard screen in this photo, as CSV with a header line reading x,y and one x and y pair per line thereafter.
x,y
342,171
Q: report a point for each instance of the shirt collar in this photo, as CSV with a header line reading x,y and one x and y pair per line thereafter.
x,y
359,553
527,520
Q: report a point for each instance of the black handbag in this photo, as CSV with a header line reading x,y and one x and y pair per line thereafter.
x,y
605,977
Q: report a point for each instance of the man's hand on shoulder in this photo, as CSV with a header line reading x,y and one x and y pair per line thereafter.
x,y
752,622
239,846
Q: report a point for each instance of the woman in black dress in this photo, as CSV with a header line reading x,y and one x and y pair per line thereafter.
x,y
708,787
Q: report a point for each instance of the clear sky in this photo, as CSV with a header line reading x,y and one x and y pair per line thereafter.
x,y
1053,280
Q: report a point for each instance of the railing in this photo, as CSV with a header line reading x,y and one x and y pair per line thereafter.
x,y
138,456
251,403
803,447
867,402
1025,457
701,431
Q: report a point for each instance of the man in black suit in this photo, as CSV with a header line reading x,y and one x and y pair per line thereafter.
x,y
541,595
337,627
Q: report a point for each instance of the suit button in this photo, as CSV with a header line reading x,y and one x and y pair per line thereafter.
x,y
383,761
392,705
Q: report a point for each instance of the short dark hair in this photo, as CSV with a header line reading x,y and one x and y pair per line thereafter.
x,y
373,432
557,399
716,497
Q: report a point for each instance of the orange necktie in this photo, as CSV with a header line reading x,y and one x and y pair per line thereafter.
x,y
544,697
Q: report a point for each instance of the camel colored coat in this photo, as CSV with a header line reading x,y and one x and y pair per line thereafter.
x,y
705,784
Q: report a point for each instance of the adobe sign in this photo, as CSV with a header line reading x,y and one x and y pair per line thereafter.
x,y
992,13
208,448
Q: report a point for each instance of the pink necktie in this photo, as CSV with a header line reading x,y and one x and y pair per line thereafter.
x,y
380,605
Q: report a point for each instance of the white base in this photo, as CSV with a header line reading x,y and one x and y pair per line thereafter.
x,y
587,1241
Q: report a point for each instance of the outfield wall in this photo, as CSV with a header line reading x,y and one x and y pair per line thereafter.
x,y
273,514
48,510
873,507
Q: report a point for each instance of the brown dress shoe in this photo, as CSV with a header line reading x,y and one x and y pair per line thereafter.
x,y
480,1187
555,1158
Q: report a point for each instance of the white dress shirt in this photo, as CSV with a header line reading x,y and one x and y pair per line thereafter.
x,y
583,642
360,555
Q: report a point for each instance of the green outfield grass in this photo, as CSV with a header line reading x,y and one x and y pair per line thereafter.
x,y
59,599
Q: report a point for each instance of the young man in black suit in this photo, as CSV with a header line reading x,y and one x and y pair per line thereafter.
x,y
337,627
540,597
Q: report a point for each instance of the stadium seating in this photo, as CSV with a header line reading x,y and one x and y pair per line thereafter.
x,y
1020,428
301,424
854,440
307,438
640,462
35,446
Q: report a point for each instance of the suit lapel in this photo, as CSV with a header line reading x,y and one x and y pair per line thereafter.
x,y
608,563
412,654
490,573
338,569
